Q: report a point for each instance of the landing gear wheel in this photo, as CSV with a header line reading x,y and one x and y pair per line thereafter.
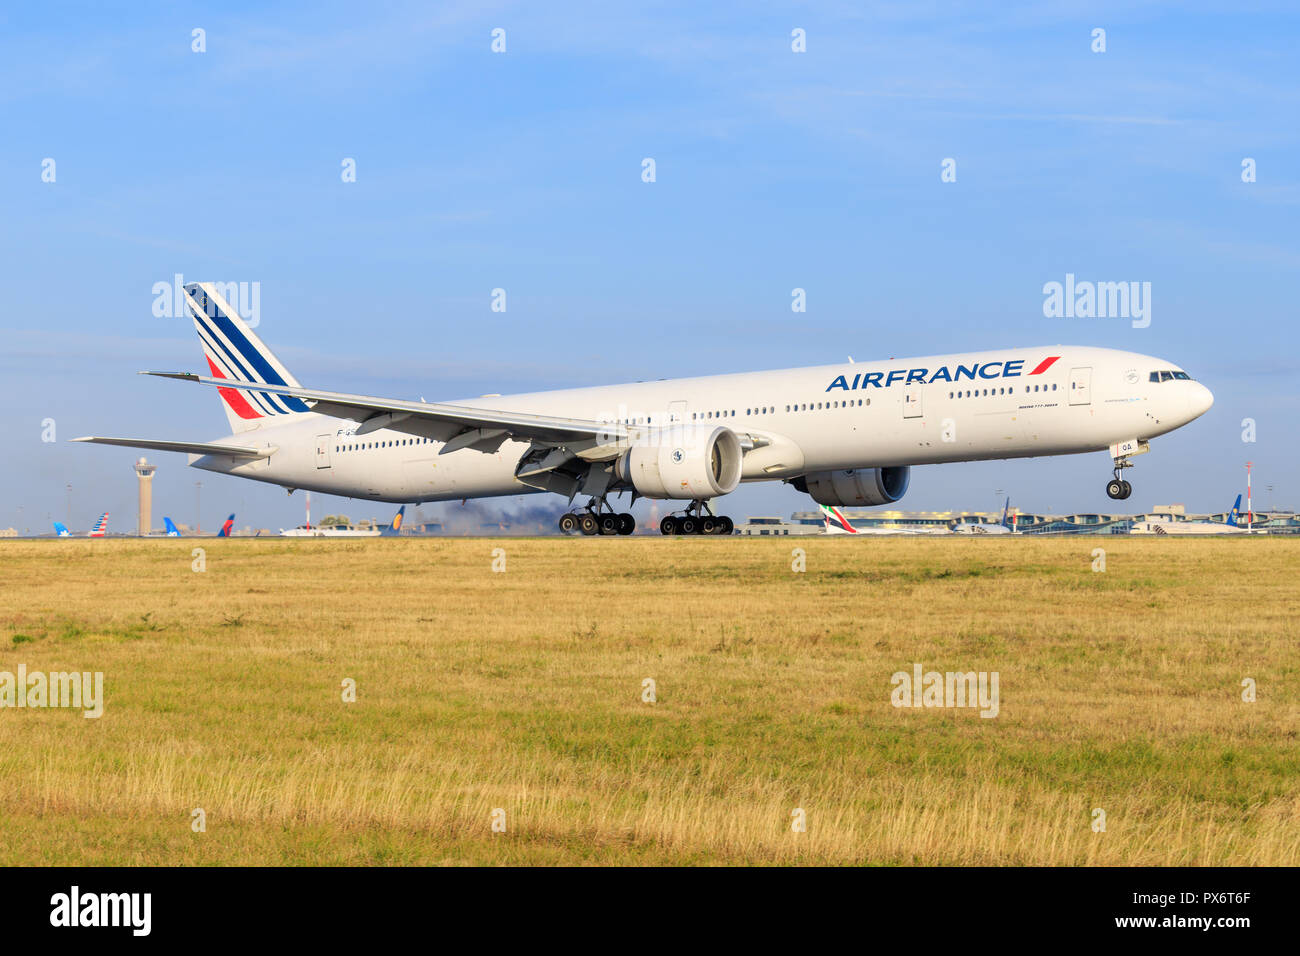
x,y
668,526
1128,489
726,525
1115,489
609,524
708,525
588,524
626,523
688,524
568,524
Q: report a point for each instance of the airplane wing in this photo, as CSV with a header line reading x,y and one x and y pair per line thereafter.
x,y
460,426
192,447
564,452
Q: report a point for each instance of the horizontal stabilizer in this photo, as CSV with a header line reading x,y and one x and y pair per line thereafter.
x,y
191,447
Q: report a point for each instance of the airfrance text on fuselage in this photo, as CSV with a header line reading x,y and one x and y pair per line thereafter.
x,y
923,376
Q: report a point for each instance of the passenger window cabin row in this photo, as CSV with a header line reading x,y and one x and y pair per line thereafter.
x,y
394,443
980,393
767,410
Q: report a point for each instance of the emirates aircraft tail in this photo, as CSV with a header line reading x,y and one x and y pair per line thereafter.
x,y
836,523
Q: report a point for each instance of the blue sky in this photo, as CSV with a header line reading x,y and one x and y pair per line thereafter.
x,y
522,170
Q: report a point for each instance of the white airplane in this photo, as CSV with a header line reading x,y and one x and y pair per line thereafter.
x,y
837,523
844,434
1170,526
980,527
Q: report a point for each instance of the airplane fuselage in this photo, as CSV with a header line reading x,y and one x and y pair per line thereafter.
x,y
1013,403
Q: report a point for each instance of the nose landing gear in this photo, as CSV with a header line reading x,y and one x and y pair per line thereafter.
x,y
1117,488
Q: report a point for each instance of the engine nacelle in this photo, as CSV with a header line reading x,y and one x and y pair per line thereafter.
x,y
684,466
858,486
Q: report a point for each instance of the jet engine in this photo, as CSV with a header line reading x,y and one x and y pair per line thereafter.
x,y
857,486
692,465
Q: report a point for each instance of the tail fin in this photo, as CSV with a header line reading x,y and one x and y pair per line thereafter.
x,y
396,526
172,530
100,526
234,351
61,530
1006,510
227,527
1235,513
836,523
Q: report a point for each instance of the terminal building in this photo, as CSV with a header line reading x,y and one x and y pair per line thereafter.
x,y
811,522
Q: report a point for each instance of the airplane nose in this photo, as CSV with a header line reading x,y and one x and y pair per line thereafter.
x,y
1199,400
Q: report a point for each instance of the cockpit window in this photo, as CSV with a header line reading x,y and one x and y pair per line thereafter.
x,y
1170,376
1182,376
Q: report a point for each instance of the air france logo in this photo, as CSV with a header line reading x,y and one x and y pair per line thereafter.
x,y
923,376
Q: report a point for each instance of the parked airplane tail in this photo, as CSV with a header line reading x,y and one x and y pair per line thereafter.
x,y
836,523
227,528
1235,513
1006,512
61,530
235,352
100,526
172,530
394,528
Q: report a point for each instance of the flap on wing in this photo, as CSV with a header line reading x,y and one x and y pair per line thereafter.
x,y
191,447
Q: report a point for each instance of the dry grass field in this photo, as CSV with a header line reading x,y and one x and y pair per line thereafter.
x,y
522,690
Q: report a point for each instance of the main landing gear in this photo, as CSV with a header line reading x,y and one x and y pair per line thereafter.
x,y
1117,488
595,521
698,519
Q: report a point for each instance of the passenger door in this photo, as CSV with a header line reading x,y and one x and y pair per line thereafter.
x,y
1081,386
912,401
676,423
323,450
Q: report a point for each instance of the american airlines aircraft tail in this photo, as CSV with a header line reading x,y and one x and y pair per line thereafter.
x,y
845,434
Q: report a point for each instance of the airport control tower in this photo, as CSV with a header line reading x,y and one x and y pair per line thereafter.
x,y
145,471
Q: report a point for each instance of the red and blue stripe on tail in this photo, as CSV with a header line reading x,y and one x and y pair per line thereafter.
x,y
235,352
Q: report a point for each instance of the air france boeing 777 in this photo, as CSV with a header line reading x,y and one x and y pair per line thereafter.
x,y
844,434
